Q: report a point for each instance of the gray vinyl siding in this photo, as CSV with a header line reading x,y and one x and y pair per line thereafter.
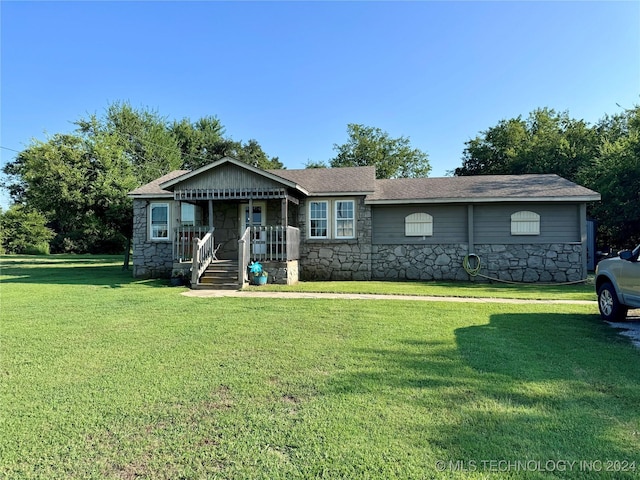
x,y
559,223
449,224
228,176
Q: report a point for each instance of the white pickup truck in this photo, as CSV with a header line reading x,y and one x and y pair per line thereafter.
x,y
618,284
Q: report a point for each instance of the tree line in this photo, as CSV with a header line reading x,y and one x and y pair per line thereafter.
x,y
69,192
74,186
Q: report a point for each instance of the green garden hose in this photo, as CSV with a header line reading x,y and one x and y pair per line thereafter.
x,y
466,264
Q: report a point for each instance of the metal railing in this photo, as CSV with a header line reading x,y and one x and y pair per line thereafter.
x,y
202,255
183,241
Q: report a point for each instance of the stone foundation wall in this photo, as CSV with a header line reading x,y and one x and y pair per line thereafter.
x,y
150,259
282,273
418,262
336,261
556,262
527,263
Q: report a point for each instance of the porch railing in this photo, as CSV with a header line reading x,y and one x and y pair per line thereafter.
x,y
183,241
244,254
275,243
202,255
267,243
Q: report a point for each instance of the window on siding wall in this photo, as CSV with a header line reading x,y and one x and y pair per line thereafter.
x,y
418,225
159,221
345,219
318,219
525,223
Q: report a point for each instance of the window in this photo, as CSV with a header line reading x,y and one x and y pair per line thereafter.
x,y
525,223
318,219
159,221
418,225
345,219
187,214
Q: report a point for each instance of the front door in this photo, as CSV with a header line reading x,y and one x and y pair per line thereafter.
x,y
259,216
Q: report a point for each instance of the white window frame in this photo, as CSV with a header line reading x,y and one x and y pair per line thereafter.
x,y
326,219
525,222
151,229
419,224
351,219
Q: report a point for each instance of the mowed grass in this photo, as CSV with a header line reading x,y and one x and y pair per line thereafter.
x,y
479,289
103,376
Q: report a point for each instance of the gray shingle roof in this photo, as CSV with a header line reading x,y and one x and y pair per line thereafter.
x,y
153,188
479,188
361,180
325,181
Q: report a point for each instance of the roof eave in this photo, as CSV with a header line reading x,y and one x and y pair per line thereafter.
x,y
339,194
576,199
150,195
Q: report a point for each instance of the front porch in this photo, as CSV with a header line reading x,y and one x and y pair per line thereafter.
x,y
196,255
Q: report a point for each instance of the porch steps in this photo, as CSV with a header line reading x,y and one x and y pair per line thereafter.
x,y
221,275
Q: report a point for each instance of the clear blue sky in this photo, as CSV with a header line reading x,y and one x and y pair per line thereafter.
x,y
292,75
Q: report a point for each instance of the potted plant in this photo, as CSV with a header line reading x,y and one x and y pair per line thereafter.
x,y
258,275
180,278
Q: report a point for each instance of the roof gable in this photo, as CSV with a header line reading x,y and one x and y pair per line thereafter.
x,y
201,177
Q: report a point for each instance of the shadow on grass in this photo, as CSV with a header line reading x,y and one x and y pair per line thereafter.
x,y
525,386
69,270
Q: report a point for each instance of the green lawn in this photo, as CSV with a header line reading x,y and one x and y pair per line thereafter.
x,y
582,291
105,377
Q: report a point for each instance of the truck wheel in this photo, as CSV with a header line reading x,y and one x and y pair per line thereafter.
x,y
610,307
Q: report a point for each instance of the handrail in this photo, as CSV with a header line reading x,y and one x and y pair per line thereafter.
x,y
202,256
183,241
244,251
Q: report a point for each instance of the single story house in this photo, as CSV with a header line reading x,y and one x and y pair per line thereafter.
x,y
344,224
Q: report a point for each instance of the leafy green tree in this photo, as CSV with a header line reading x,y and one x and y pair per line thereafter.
x,y
316,164
615,173
251,153
80,181
392,157
200,142
24,232
81,185
546,142
143,135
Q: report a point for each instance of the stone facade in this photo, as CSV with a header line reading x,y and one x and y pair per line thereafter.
x,y
419,262
151,259
348,259
282,273
358,259
529,263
